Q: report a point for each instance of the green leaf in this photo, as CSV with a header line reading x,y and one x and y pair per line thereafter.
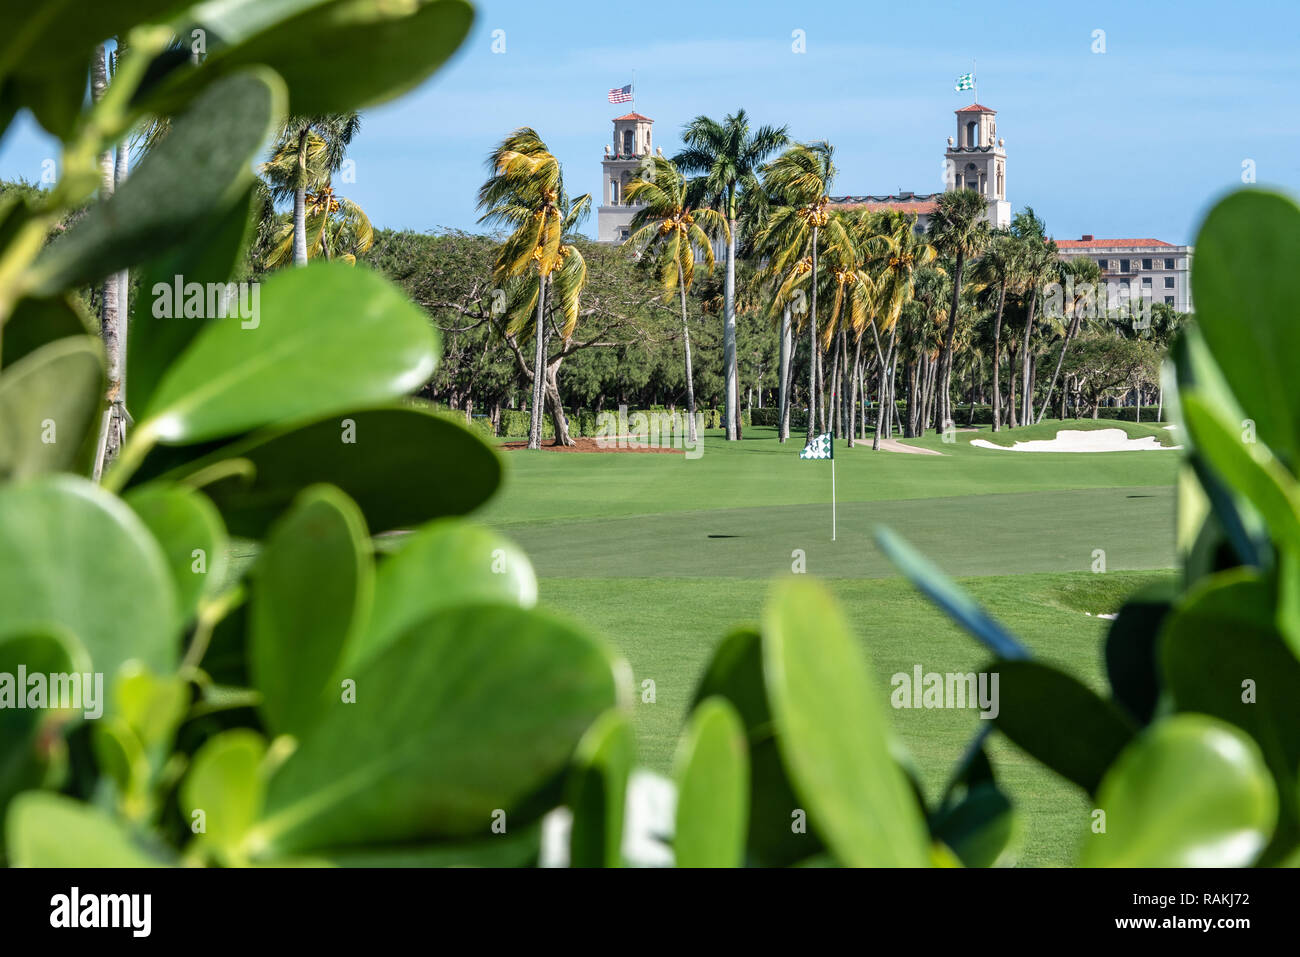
x,y
199,169
226,783
36,322
443,564
1059,721
712,775
407,466
312,591
1131,665
1242,283
73,555
32,751
943,591
189,529
50,830
1222,655
336,56
329,338
597,791
735,674
474,710
1189,792
48,404
979,828
210,256
1248,467
832,734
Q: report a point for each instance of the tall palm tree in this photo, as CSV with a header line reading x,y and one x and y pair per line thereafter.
x,y
958,229
526,192
797,182
999,267
1040,265
667,226
336,228
306,151
1081,270
892,253
728,156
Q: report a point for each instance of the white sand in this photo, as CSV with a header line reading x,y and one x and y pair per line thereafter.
x,y
1080,440
893,445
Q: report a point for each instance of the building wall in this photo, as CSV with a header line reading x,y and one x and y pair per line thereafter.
x,y
1128,263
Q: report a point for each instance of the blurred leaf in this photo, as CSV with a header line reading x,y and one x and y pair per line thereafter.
x,y
597,791
1131,664
735,674
833,740
443,564
1059,721
1222,655
407,466
329,338
49,401
210,255
1190,791
58,535
50,830
712,774
226,783
312,592
941,590
36,322
979,827
189,529
1245,259
198,170
335,56
471,711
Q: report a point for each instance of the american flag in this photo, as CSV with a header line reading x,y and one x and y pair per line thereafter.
x,y
621,94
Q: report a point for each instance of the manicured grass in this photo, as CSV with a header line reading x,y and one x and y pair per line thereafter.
x,y
664,554
1048,428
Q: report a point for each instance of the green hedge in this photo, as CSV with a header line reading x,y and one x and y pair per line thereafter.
x,y
586,422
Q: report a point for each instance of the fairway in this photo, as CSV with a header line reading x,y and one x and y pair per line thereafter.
x,y
663,555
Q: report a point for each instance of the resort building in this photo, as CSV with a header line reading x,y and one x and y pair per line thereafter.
x,y
1152,266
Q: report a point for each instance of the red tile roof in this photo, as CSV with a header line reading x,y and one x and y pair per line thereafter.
x,y
1095,243
898,206
633,116
976,108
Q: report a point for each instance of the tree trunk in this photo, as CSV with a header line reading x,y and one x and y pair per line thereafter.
x,y
886,390
855,375
997,358
553,406
300,204
110,322
783,391
1047,399
1027,395
539,367
812,345
731,387
686,343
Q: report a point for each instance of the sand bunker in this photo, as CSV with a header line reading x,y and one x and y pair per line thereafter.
x,y
1079,440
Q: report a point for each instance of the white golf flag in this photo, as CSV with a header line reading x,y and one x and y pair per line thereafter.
x,y
821,447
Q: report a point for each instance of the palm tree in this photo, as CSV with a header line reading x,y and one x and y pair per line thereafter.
x,y
797,182
336,228
999,266
667,225
728,155
892,253
958,229
306,151
526,192
1082,271
1040,265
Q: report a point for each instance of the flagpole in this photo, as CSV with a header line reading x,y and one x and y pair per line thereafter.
x,y
634,91
975,78
832,485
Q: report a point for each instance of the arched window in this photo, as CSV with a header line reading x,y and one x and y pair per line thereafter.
x,y
970,133
627,143
613,192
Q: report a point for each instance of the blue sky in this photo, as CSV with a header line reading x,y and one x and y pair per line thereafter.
x,y
1135,141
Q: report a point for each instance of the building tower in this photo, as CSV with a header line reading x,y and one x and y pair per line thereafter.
x,y
632,145
977,160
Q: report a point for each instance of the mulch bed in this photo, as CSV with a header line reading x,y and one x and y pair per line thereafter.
x,y
587,445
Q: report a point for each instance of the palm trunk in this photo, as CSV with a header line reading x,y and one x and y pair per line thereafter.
x,y
855,376
783,391
886,390
686,343
997,358
1047,399
1026,392
110,325
945,359
731,386
539,368
812,345
553,406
